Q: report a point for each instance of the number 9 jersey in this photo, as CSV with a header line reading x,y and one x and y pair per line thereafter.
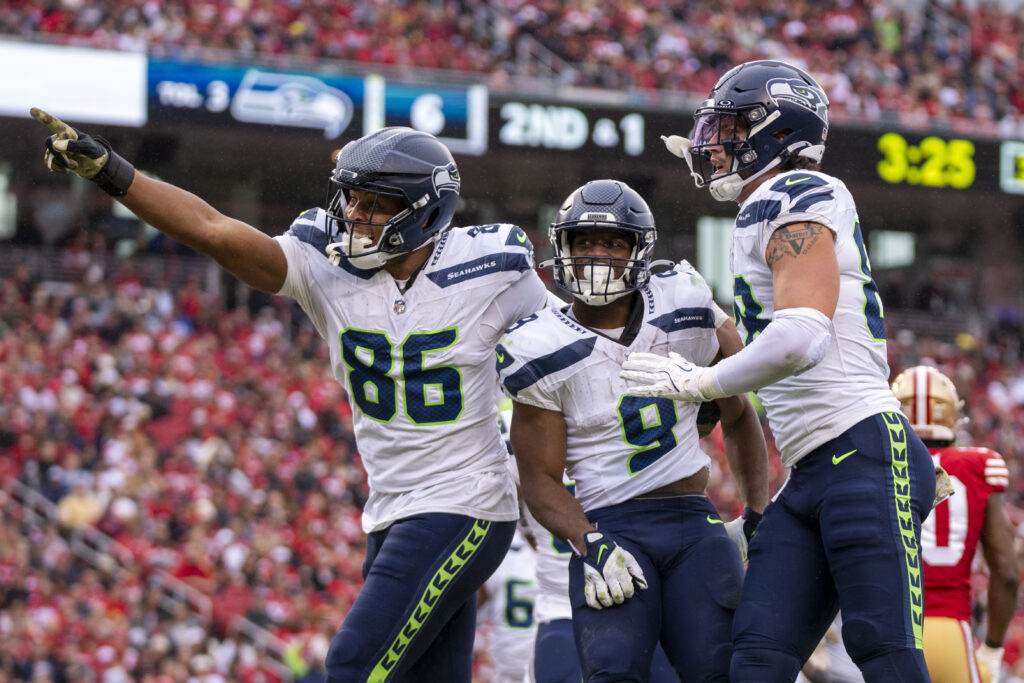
x,y
417,363
851,382
619,447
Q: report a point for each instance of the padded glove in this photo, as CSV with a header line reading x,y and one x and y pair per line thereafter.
x,y
742,529
670,377
943,486
609,572
71,150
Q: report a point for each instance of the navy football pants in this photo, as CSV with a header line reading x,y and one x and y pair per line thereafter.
x,y
554,657
415,617
693,573
843,533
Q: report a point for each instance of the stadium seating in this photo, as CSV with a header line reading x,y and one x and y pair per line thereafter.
x,y
957,64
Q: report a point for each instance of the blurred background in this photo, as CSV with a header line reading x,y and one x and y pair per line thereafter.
x,y
180,486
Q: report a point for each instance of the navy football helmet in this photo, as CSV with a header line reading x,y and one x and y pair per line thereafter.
x,y
762,114
607,204
399,162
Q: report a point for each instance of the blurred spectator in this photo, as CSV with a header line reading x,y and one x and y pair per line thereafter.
x,y
921,64
80,508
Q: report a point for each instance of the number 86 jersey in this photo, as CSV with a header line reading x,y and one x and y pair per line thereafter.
x,y
418,364
618,446
851,382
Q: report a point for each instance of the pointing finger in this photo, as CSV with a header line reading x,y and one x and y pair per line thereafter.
x,y
63,130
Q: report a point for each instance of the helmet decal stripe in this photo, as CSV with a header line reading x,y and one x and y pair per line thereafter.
x,y
922,397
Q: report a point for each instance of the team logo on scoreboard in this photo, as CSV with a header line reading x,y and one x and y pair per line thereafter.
x,y
292,100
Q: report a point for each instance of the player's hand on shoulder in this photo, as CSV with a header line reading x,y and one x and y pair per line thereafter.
x,y
70,150
669,376
609,571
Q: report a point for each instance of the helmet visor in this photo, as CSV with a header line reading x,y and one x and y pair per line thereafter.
x,y
717,138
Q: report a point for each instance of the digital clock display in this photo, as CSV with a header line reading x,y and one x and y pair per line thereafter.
x,y
1011,166
933,162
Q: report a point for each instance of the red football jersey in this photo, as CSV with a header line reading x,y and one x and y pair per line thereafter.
x,y
950,535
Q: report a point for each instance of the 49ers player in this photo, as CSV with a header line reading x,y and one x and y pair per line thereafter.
x,y
950,536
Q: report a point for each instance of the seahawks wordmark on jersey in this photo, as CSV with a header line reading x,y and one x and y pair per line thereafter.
x,y
851,382
618,446
421,379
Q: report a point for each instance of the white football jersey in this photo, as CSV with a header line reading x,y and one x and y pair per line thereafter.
x,y
618,446
509,611
851,382
418,365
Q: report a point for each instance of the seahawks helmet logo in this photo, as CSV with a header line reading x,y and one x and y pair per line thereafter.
x,y
799,92
446,178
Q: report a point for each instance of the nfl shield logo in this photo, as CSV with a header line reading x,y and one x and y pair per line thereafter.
x,y
399,306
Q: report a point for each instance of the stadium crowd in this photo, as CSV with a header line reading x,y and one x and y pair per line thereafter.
x,y
957,63
209,440
211,443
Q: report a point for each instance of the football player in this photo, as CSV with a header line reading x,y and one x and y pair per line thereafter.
x,y
651,557
411,310
506,604
950,536
844,531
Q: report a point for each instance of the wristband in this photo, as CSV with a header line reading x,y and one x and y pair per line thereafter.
x,y
117,174
750,521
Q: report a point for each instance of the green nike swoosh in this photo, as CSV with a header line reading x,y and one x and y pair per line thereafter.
x,y
521,236
794,181
600,552
501,358
712,520
836,459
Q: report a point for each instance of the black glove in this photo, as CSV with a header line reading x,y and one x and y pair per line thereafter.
x,y
71,150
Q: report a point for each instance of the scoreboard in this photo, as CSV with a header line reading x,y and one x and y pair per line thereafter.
x,y
266,133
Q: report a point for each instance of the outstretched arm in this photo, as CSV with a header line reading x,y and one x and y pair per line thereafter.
x,y
805,284
250,255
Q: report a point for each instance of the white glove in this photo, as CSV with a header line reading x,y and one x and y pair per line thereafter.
x,y
735,531
990,660
609,572
742,529
671,377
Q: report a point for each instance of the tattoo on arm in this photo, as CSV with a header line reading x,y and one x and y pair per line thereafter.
x,y
793,240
